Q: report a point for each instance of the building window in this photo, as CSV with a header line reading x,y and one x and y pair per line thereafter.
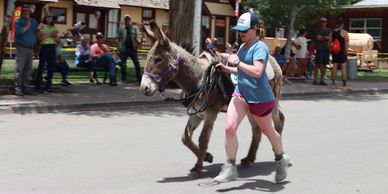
x,y
93,24
59,14
148,14
372,26
113,23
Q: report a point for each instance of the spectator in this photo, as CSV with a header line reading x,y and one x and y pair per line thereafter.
x,y
83,58
61,66
300,54
25,38
48,35
322,39
127,46
283,62
253,94
103,58
310,60
339,59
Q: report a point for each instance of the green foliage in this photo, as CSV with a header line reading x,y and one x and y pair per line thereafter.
x,y
277,13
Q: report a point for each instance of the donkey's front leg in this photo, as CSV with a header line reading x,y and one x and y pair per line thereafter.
x,y
203,155
192,124
256,138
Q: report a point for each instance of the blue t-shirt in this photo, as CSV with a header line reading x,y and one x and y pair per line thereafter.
x,y
254,90
28,38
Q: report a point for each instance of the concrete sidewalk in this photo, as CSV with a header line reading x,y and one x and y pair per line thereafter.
x,y
79,97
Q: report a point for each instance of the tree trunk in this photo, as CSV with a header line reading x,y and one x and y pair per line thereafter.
x,y
5,28
290,29
181,21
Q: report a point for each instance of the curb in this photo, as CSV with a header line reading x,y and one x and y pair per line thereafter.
x,y
128,105
30,108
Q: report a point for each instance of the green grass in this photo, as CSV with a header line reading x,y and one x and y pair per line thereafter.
x,y
375,75
7,74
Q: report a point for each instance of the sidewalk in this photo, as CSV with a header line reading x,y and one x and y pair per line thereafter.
x,y
87,96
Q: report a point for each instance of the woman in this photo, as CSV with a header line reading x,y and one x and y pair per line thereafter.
x,y
47,35
253,93
340,58
83,58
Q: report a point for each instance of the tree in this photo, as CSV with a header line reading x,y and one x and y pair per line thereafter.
x,y
181,21
5,28
293,13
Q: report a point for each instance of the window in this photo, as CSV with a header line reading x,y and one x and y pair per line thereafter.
x,y
372,26
148,14
93,24
59,14
113,23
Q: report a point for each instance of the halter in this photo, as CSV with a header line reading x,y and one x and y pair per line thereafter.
x,y
162,83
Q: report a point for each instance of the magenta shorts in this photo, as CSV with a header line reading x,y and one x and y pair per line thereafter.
x,y
259,109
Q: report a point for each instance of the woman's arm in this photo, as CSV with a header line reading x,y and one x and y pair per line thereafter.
x,y
255,70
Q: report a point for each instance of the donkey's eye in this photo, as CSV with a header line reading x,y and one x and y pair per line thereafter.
x,y
158,60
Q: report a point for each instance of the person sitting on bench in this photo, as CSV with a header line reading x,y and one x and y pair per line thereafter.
x,y
83,58
103,58
61,66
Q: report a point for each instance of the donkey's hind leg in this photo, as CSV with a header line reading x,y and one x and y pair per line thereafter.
x,y
256,138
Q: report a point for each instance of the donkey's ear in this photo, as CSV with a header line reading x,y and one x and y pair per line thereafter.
x,y
159,35
149,33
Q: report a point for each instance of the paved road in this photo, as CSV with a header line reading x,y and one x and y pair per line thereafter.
x,y
337,145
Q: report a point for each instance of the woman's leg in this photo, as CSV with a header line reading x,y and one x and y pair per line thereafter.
x,y
266,125
275,138
237,110
334,75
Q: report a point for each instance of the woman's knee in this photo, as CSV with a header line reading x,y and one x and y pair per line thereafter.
x,y
230,131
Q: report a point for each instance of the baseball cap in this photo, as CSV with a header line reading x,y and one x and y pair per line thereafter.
x,y
323,19
26,7
246,21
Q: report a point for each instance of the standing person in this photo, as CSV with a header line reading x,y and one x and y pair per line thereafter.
x,y
25,39
127,46
340,58
322,39
252,94
83,58
47,35
300,53
103,58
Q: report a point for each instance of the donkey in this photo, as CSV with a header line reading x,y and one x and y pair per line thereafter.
x,y
167,62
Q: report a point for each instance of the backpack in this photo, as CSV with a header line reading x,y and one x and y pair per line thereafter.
x,y
335,46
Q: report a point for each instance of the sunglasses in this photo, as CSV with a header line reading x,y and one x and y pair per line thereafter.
x,y
245,31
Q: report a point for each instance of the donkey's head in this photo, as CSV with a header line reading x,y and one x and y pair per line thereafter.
x,y
162,62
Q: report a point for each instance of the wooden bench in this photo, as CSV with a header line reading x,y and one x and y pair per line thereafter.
x,y
68,54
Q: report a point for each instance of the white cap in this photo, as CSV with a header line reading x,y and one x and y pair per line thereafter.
x,y
246,21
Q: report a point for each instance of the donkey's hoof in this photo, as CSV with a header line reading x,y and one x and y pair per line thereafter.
x,y
245,163
208,158
193,175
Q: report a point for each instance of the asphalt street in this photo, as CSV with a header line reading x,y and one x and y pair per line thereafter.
x,y
336,144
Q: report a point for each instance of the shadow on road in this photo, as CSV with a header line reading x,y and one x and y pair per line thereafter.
x,y
246,178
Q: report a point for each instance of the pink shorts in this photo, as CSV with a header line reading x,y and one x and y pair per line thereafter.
x,y
259,109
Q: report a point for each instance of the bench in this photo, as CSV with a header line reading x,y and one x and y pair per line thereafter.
x,y
68,54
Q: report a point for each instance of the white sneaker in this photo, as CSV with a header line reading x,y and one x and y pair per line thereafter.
x,y
282,168
285,80
228,173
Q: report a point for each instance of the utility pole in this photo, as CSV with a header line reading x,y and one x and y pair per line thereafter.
x,y
5,28
197,26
